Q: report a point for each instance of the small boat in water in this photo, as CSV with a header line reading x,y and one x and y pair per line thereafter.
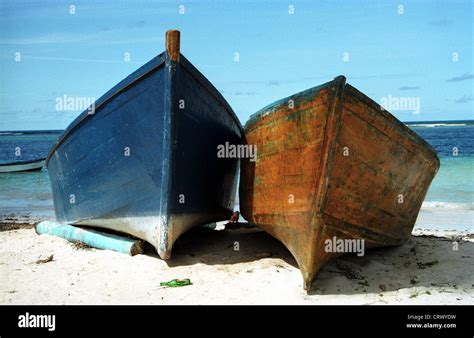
x,y
333,167
144,160
19,166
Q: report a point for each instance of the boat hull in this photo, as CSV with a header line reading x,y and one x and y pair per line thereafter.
x,y
145,162
333,164
22,166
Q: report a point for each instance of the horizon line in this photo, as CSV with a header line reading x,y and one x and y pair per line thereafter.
x,y
61,130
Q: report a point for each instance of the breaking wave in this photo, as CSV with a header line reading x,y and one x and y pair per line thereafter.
x,y
432,125
447,205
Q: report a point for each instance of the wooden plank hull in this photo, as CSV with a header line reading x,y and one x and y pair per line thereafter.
x,y
22,166
332,163
145,162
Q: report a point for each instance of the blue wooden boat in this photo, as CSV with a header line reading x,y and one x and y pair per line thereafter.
x,y
144,160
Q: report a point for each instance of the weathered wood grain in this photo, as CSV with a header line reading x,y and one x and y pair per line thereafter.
x,y
334,165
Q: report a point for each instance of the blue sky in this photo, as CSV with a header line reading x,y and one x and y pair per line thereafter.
x,y
390,54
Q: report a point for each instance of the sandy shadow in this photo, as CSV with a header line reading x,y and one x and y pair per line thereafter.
x,y
230,246
422,261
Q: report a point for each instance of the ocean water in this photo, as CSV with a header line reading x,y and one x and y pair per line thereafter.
x,y
454,143
26,192
449,203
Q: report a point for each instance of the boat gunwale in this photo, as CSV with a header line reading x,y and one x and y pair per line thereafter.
x,y
123,85
213,91
403,129
354,92
272,106
131,80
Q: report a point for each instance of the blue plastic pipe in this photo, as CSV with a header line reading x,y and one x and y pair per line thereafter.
x,y
93,238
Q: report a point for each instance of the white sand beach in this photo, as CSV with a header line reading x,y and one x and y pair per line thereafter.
x,y
426,270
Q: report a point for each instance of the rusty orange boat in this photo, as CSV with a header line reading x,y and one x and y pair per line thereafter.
x,y
333,164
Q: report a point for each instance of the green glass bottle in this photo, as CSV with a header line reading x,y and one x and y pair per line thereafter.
x,y
176,283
